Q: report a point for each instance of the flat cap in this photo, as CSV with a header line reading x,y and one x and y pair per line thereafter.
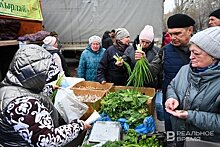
x,y
180,21
216,14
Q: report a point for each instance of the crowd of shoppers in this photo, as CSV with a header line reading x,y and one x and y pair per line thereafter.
x,y
190,69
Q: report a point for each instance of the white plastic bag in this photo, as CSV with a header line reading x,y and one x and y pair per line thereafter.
x,y
68,105
68,82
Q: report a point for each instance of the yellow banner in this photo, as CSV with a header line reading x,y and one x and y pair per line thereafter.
x,y
29,9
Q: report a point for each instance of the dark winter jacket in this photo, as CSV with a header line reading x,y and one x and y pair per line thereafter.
x,y
89,62
169,60
106,40
108,71
174,59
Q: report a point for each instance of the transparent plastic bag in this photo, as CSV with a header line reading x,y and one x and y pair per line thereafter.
x,y
68,105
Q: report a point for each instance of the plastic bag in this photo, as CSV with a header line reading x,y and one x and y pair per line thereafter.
x,y
68,82
159,105
147,126
68,105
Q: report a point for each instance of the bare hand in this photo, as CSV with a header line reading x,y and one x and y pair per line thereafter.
x,y
56,87
87,126
178,113
171,103
103,82
119,63
139,54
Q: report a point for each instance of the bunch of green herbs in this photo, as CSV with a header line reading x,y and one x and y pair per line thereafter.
x,y
133,139
129,104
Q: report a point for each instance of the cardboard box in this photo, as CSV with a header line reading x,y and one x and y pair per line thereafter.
x,y
89,85
92,105
144,90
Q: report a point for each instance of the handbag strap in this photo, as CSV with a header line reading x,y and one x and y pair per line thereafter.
x,y
186,104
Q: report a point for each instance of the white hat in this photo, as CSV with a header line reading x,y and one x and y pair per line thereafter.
x,y
147,33
95,38
50,40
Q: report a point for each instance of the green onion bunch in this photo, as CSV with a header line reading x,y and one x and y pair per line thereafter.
x,y
141,73
119,59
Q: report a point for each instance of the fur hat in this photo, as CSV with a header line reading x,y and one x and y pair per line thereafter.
x,y
121,33
95,38
50,40
180,21
209,41
147,33
216,14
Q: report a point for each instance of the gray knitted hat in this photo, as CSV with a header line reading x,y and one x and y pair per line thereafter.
x,y
209,41
121,33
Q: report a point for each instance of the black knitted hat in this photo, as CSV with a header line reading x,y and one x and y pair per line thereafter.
x,y
216,14
180,21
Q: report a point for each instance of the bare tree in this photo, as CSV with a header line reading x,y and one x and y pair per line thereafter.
x,y
181,6
199,10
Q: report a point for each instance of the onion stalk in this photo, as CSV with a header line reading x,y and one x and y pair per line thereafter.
x,y
58,83
119,59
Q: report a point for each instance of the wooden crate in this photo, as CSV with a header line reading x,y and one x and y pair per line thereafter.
x,y
92,105
145,91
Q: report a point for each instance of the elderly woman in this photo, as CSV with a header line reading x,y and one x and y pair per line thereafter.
x,y
193,96
109,70
90,58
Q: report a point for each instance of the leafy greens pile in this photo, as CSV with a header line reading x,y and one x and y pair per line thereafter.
x,y
133,139
129,104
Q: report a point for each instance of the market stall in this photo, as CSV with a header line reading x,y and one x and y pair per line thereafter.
x,y
124,111
17,18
